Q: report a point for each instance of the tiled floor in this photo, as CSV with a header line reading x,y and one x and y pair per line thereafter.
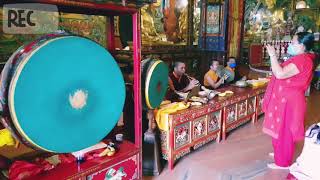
x,y
244,147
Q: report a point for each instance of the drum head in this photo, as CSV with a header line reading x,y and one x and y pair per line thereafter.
x,y
230,75
66,95
222,71
156,82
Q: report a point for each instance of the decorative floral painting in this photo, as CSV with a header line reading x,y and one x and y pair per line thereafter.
x,y
214,19
260,100
92,27
199,128
251,105
242,109
231,113
213,121
182,135
213,27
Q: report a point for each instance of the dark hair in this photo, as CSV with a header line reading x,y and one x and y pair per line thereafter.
x,y
307,39
214,60
175,64
231,57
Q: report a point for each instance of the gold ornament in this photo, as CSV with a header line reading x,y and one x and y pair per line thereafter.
x,y
277,16
270,3
148,30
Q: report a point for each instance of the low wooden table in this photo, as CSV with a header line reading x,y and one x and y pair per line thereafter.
x,y
243,106
124,164
191,128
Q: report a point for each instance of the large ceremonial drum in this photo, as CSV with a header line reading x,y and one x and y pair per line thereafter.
x,y
222,72
61,93
230,74
154,82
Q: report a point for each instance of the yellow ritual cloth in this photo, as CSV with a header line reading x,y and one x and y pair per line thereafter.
x,y
162,114
6,138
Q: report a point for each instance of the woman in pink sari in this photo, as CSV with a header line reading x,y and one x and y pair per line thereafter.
x,y
284,102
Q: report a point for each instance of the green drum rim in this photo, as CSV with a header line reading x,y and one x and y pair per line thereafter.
x,y
156,84
51,121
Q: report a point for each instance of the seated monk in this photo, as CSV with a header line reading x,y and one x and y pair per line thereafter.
x,y
211,80
179,81
231,66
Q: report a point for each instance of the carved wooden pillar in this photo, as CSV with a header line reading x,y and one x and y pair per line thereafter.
x,y
190,36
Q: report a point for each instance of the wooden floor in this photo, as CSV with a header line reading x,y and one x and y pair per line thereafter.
x,y
245,147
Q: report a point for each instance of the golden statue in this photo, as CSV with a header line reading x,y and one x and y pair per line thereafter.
x,y
148,30
170,22
183,25
270,3
278,15
172,28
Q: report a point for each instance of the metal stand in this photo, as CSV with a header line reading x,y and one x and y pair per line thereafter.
x,y
151,154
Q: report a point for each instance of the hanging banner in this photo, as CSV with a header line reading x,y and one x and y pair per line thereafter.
x,y
213,27
235,17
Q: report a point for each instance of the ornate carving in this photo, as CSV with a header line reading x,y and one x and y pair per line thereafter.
x,y
182,153
119,170
199,127
242,109
200,144
230,113
213,121
206,122
260,100
251,105
237,124
164,139
165,156
181,135
190,114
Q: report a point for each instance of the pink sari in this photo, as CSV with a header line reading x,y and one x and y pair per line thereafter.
x,y
284,100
